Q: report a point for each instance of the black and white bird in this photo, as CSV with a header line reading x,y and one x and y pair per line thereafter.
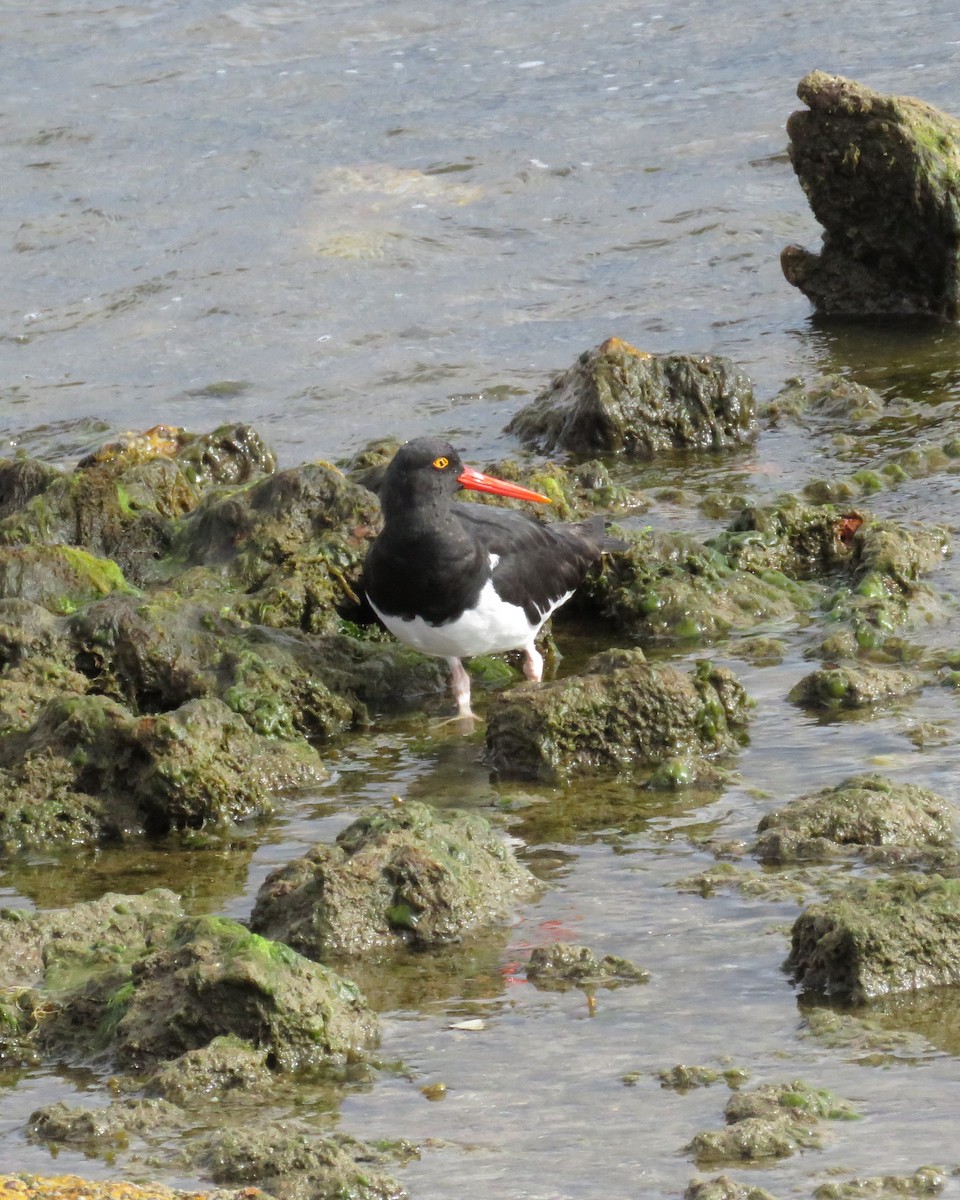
x,y
454,580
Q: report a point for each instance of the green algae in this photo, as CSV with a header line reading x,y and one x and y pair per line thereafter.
x,y
395,877
622,712
874,938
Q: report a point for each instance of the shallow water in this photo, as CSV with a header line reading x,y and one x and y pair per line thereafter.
x,y
343,221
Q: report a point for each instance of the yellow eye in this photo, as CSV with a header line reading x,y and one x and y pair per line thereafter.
x,y
441,463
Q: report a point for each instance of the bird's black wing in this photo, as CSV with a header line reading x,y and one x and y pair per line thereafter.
x,y
537,563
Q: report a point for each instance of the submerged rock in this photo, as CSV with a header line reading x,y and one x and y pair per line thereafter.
x,y
103,1130
827,398
861,813
403,876
622,712
925,1181
770,1121
561,966
619,400
890,935
882,174
724,1188
291,1162
854,686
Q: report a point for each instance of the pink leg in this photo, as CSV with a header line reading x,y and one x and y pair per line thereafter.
x,y
461,687
533,664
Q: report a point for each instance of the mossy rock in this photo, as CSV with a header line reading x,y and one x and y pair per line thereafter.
x,y
59,578
622,712
875,938
286,1159
670,587
397,877
215,978
882,174
88,771
619,400
863,812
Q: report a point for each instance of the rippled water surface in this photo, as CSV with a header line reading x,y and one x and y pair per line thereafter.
x,y
341,220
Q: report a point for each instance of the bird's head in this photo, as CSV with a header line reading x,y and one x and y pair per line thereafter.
x,y
426,472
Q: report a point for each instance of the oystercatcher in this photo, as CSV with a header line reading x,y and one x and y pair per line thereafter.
x,y
454,580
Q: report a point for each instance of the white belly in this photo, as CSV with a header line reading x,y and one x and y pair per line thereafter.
x,y
491,627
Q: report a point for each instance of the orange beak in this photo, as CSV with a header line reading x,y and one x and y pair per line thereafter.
x,y
476,481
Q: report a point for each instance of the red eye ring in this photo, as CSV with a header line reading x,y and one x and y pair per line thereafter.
x,y
441,463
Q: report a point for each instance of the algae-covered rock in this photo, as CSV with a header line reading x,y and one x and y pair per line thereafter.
x,y
770,1121
722,1187
561,966
60,578
102,1130
58,968
88,771
225,1065
622,712
925,1181
671,587
395,877
160,652
131,980
292,545
215,978
862,812
202,763
827,397
619,400
799,540
852,686
882,174
291,1162
890,935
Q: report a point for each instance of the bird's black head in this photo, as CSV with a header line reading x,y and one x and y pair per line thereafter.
x,y
423,473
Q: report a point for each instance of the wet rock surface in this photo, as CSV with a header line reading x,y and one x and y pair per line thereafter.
x,y
879,937
619,400
562,966
622,711
860,815
881,174
132,979
722,1187
853,686
398,877
769,1122
292,1163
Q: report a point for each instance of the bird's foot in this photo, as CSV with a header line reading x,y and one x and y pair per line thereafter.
x,y
466,721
